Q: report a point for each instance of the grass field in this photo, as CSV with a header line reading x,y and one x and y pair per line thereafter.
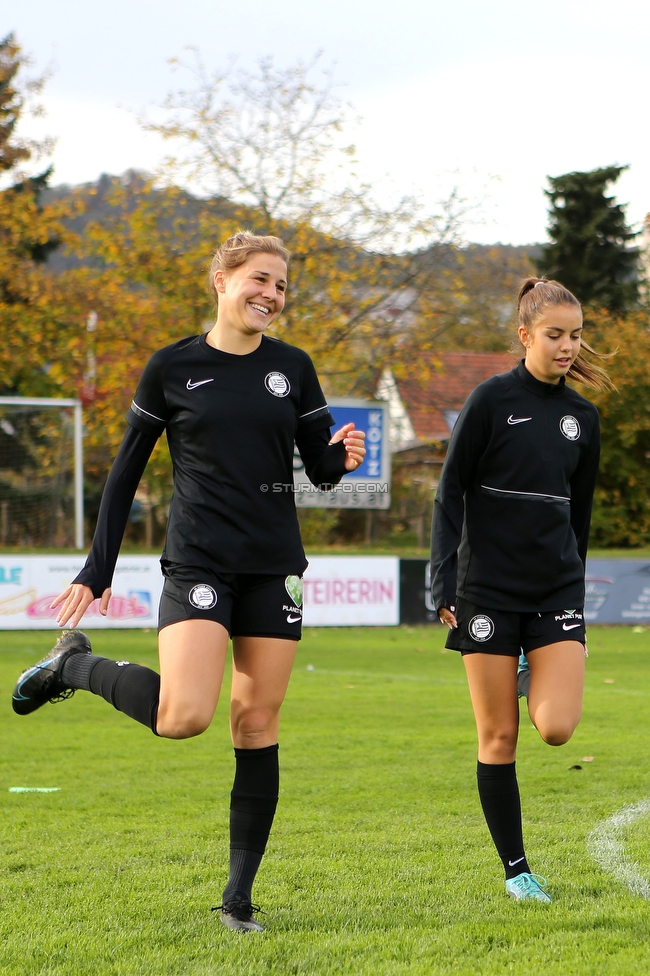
x,y
379,863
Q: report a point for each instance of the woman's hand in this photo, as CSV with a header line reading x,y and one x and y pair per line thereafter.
x,y
76,599
447,617
354,449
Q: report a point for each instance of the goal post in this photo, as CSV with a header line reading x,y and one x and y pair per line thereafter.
x,y
44,403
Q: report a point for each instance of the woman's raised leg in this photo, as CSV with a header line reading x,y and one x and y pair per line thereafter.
x,y
192,659
557,675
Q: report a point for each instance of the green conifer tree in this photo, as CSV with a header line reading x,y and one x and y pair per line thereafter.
x,y
590,248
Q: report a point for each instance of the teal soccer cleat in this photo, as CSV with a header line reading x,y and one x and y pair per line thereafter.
x,y
523,676
528,887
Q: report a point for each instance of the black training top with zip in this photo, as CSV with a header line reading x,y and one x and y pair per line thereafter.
x,y
231,423
512,510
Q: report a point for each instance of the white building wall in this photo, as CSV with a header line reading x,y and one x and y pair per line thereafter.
x,y
401,432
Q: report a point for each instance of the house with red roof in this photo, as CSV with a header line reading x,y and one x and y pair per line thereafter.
x,y
424,408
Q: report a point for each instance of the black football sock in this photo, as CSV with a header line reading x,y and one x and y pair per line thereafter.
x,y
130,688
499,794
253,800
76,670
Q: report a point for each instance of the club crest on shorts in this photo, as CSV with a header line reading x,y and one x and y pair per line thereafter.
x,y
481,628
293,586
202,596
277,384
570,428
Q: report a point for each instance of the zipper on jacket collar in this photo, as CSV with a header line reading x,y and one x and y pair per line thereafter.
x,y
536,386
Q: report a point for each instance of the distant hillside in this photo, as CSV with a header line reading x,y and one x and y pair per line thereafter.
x,y
467,294
99,208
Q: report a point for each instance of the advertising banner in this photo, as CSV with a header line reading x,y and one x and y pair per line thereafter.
x,y
338,591
342,591
617,591
28,584
415,603
369,485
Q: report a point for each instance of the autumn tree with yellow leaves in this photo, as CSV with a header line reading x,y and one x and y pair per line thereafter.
x,y
29,231
369,285
272,142
621,508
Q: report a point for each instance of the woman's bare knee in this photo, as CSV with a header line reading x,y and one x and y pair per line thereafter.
x,y
557,733
181,723
497,746
251,726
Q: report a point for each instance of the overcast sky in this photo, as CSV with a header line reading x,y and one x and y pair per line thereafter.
x,y
492,96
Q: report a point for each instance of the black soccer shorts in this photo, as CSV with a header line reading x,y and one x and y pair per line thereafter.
x,y
246,604
509,632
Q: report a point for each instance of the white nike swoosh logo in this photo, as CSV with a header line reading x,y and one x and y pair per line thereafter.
x,y
517,420
193,386
293,620
569,626
512,863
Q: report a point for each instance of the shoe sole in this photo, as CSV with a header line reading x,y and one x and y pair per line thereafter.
x,y
237,925
543,901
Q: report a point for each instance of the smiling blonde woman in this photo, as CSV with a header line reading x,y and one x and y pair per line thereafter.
x,y
233,403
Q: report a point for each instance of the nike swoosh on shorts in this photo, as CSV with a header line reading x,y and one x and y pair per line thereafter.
x,y
293,620
569,626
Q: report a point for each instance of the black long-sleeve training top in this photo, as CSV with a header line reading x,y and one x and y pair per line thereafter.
x,y
512,511
231,423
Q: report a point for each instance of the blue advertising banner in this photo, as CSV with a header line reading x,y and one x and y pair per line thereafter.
x,y
369,485
617,592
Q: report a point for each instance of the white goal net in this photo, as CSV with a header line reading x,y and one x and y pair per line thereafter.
x,y
41,476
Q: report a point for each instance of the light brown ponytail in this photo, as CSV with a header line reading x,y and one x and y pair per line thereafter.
x,y
538,294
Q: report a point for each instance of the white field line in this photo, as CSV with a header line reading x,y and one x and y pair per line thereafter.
x,y
609,852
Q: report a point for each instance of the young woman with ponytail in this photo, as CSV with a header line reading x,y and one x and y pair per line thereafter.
x,y
509,544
